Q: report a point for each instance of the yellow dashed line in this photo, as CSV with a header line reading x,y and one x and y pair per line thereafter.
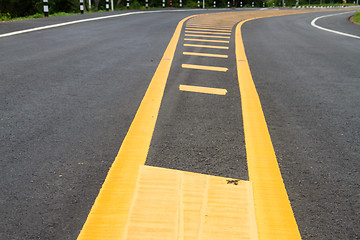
x,y
273,211
205,54
202,67
205,46
205,40
202,32
188,88
204,29
206,36
109,214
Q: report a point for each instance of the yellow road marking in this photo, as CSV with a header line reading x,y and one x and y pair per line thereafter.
x,y
205,46
172,204
205,40
208,26
207,29
108,216
188,88
273,211
202,67
205,54
203,32
206,36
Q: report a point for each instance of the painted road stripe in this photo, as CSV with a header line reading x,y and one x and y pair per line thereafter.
x,y
204,29
206,36
202,67
313,23
109,214
202,32
188,88
205,54
205,46
208,26
206,40
88,20
273,211
177,205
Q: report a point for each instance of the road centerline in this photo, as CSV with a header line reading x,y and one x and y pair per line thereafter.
x,y
108,216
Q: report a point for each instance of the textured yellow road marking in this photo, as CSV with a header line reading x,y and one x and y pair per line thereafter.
x,y
204,29
188,88
205,54
202,67
172,204
108,216
204,32
206,36
205,40
205,46
208,26
274,214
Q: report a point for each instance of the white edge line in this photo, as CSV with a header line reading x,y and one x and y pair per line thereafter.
x,y
86,20
313,23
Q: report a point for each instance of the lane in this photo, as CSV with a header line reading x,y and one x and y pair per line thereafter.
x,y
60,154
68,97
340,23
308,82
200,132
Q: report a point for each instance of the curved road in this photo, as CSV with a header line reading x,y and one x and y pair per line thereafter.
x,y
68,97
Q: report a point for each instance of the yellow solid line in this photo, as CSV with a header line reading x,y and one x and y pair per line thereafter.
x,y
205,46
206,36
204,29
205,54
274,215
203,32
205,40
108,216
202,67
188,88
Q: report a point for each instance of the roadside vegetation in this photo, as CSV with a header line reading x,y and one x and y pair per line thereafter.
x,y
28,9
356,17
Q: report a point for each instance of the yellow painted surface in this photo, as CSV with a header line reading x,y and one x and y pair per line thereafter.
x,y
109,213
204,32
206,36
188,88
172,204
202,67
207,29
274,214
206,40
205,46
205,54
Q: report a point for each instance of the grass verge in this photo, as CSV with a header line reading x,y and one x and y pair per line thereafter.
x,y
356,17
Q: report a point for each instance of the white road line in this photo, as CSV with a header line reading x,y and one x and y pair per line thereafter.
x,y
86,20
313,23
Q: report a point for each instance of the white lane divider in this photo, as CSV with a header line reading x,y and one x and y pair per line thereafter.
x,y
313,23
88,20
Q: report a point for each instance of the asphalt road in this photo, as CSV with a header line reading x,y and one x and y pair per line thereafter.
x,y
68,96
309,86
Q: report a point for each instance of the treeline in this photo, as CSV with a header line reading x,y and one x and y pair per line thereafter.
x,y
21,8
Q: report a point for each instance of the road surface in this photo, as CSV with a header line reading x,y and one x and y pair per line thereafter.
x,y
69,95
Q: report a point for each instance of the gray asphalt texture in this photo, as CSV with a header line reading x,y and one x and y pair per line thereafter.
x,y
340,23
68,96
200,132
308,81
